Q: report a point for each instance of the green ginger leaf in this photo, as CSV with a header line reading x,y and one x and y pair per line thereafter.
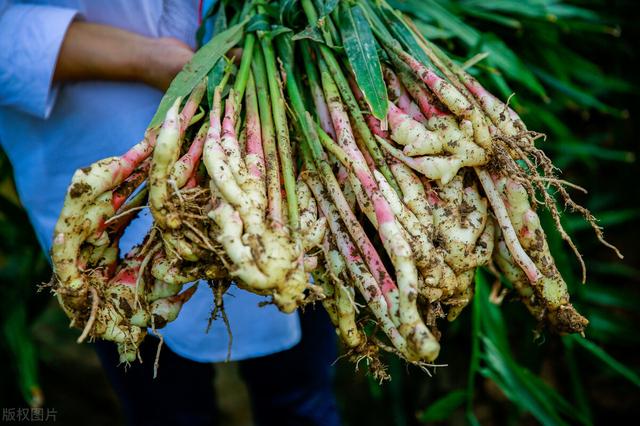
x,y
603,356
442,408
360,47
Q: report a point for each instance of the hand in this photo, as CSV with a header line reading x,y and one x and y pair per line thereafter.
x,y
165,57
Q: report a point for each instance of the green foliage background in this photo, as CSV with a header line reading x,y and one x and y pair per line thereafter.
x,y
572,66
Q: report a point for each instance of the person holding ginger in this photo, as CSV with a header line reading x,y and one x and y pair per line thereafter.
x,y
80,81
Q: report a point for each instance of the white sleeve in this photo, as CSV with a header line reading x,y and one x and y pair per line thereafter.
x,y
30,41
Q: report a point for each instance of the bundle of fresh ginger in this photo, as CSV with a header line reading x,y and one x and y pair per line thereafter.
x,y
350,162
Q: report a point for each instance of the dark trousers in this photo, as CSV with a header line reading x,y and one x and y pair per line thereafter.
x,y
293,387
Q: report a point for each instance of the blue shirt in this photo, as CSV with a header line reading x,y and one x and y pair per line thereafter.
x,y
49,131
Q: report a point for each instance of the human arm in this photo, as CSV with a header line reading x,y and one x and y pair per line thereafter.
x,y
32,60
99,52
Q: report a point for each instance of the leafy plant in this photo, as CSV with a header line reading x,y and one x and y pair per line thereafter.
x,y
22,265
